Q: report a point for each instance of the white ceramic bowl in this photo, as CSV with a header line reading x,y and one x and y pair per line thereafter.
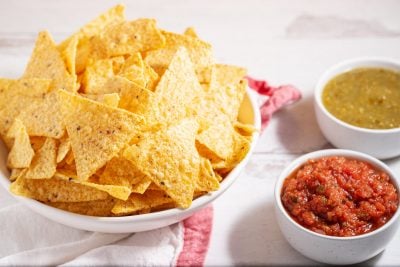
x,y
249,113
382,144
330,249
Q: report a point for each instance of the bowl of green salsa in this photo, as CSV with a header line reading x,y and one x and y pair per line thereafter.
x,y
357,105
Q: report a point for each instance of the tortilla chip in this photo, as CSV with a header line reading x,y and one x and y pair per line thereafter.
x,y
16,173
44,164
21,153
113,15
218,138
111,100
120,171
46,62
169,158
244,128
91,208
127,38
19,95
96,75
44,118
199,51
55,190
207,179
228,87
63,148
69,54
191,32
142,186
86,45
138,202
176,89
97,132
241,146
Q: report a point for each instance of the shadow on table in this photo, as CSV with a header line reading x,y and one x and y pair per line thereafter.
x,y
297,128
256,240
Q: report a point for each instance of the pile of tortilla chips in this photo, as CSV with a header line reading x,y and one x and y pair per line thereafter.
x,y
122,118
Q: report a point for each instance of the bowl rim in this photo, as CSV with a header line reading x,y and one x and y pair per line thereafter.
x,y
335,152
73,219
347,65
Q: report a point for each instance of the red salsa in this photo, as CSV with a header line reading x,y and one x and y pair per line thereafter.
x,y
339,196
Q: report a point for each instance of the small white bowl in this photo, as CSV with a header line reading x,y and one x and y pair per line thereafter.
x,y
248,113
382,144
331,249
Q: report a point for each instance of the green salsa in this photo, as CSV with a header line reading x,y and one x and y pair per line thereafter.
x,y
365,97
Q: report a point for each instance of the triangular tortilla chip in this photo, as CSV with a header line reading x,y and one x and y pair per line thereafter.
x,y
44,164
127,38
21,153
63,148
69,54
138,202
207,179
169,158
46,62
19,95
97,132
44,118
86,33
191,32
111,99
94,27
199,51
176,89
55,190
120,171
90,208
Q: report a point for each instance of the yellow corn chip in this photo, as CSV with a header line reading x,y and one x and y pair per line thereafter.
x,y
139,202
111,100
113,15
116,191
63,148
228,88
44,118
244,129
176,89
19,95
55,190
69,54
191,32
169,158
199,51
120,171
218,138
97,132
21,153
44,164
46,62
142,186
127,38
207,179
88,44
96,75
91,208
16,173
241,146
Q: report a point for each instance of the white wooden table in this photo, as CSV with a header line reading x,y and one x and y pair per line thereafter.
x,y
281,41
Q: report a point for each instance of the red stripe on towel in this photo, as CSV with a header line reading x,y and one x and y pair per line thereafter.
x,y
278,97
197,232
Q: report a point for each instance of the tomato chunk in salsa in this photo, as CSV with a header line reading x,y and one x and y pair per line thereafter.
x,y
339,196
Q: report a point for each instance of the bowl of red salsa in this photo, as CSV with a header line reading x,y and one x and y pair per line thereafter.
x,y
337,206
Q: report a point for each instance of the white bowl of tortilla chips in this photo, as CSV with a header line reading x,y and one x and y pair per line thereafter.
x,y
124,127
